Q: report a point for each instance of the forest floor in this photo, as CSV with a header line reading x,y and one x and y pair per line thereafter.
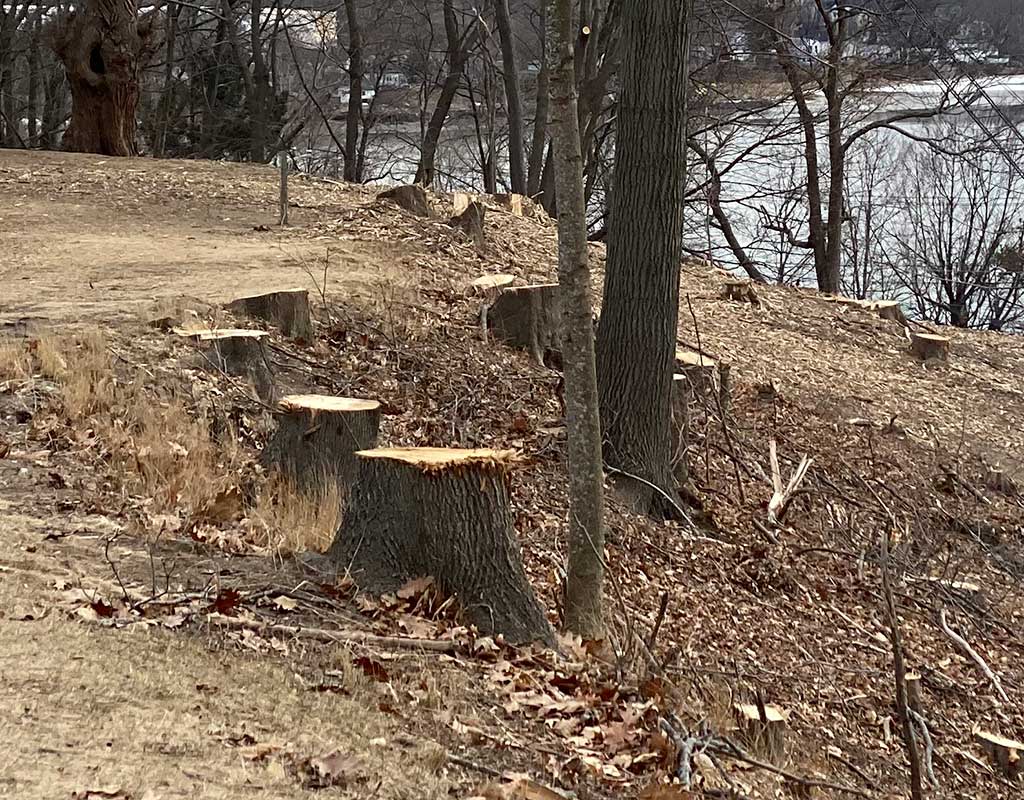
x,y
157,639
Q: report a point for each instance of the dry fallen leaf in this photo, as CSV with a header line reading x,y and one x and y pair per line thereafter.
x,y
286,603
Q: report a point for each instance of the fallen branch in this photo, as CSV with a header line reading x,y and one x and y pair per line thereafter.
x,y
325,635
782,495
959,640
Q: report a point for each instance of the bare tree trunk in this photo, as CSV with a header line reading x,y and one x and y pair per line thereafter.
x,y
167,100
583,591
459,45
513,99
355,96
636,340
259,98
99,46
33,79
540,119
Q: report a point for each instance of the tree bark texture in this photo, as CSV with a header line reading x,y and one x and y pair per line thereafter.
x,y
513,98
99,46
535,167
288,311
636,338
240,353
584,613
317,438
413,198
446,514
471,223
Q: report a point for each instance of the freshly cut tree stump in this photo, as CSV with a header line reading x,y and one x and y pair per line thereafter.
x,y
700,371
489,287
928,346
682,396
460,202
288,311
512,202
767,735
528,317
471,223
741,291
413,198
447,514
913,683
890,310
241,353
317,438
1005,754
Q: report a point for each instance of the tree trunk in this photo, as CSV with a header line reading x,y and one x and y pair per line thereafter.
x,y
259,95
513,100
584,613
354,116
99,46
459,46
167,102
540,119
33,79
421,512
636,340
828,278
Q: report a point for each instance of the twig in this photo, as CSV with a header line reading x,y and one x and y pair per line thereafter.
x,y
467,764
929,747
734,750
959,640
900,673
657,621
324,635
675,505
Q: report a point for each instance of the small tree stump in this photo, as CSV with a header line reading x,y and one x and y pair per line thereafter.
x,y
471,223
413,198
460,202
1005,754
700,371
890,310
766,736
528,317
240,353
447,514
928,346
317,438
682,395
288,311
741,291
489,287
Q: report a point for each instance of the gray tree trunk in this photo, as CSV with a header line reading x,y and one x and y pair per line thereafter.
x,y
535,168
355,98
584,581
513,99
636,338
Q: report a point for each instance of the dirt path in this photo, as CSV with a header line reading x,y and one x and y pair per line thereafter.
x,y
109,243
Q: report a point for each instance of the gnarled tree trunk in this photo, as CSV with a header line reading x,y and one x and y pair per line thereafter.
x,y
100,48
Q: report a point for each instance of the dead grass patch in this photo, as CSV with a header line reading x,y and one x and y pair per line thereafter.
x,y
15,361
287,520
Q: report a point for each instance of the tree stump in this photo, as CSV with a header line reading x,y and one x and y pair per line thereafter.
x,y
317,438
682,396
913,683
701,372
489,287
512,202
928,346
741,291
447,514
1005,754
890,310
528,317
765,735
460,202
412,198
288,311
471,223
240,353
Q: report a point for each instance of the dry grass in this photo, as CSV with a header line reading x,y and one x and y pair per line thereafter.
x,y
15,361
287,520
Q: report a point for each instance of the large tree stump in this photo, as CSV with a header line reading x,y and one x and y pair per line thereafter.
x,y
1005,754
929,346
701,372
413,198
890,310
317,438
447,514
488,287
528,317
287,310
741,291
763,734
240,353
471,223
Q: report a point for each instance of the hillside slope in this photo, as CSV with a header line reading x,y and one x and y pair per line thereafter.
x,y
932,455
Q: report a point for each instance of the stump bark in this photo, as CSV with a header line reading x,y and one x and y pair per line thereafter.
x,y
288,311
471,223
701,372
512,202
488,287
447,514
913,683
528,317
682,395
317,438
890,310
928,346
1005,754
741,291
767,734
413,198
240,353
